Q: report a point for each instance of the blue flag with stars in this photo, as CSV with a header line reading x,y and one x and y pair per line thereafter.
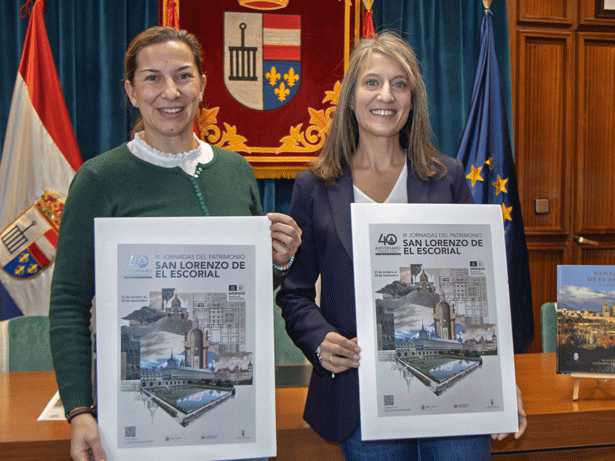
x,y
486,153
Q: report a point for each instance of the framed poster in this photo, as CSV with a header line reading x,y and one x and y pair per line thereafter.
x,y
433,321
586,320
185,366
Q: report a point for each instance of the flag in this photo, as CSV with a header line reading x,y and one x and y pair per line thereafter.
x,y
486,153
368,22
39,159
171,13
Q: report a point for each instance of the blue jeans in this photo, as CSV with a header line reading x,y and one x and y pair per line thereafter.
x,y
465,448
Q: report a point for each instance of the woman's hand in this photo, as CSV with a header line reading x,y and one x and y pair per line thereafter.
x,y
286,236
84,437
522,419
338,354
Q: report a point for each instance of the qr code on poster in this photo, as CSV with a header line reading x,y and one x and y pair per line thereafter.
x,y
130,431
389,400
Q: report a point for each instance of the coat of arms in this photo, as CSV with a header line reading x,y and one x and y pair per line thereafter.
x,y
262,58
29,243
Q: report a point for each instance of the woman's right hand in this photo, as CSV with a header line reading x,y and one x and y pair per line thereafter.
x,y
83,437
338,354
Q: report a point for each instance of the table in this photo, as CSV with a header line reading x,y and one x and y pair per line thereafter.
x,y
23,396
558,428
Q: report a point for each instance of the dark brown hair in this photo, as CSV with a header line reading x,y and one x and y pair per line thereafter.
x,y
153,36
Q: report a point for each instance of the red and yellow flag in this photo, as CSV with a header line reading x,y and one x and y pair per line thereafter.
x,y
39,159
170,13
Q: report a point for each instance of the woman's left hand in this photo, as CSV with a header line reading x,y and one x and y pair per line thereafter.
x,y
522,419
286,237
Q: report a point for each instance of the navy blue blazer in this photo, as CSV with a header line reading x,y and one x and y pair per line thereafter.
x,y
323,214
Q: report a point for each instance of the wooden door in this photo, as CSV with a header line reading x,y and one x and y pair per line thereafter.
x,y
563,77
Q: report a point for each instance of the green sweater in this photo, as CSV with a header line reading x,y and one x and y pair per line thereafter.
x,y
116,184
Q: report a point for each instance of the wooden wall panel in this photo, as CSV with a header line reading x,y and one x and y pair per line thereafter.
x,y
543,270
597,256
547,11
587,14
596,133
544,124
563,78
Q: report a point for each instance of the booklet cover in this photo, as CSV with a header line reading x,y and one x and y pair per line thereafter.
x,y
185,338
586,319
433,321
54,411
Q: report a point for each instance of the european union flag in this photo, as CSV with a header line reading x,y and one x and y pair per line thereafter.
x,y
486,152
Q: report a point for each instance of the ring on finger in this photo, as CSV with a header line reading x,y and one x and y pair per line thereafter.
x,y
331,359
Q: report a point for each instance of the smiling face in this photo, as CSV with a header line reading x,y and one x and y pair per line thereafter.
x,y
382,97
167,89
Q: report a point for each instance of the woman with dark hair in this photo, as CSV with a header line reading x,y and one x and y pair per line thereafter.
x,y
165,170
378,151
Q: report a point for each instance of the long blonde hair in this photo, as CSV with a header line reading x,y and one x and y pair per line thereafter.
x,y
343,137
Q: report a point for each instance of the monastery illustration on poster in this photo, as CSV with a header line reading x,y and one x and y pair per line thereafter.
x,y
434,325
185,353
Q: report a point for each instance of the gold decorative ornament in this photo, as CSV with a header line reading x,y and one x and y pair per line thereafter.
x,y
264,4
298,141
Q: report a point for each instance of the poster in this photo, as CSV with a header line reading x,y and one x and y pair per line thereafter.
x,y
433,321
182,372
586,319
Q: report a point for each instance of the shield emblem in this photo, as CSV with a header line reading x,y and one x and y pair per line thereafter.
x,y
262,58
29,243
